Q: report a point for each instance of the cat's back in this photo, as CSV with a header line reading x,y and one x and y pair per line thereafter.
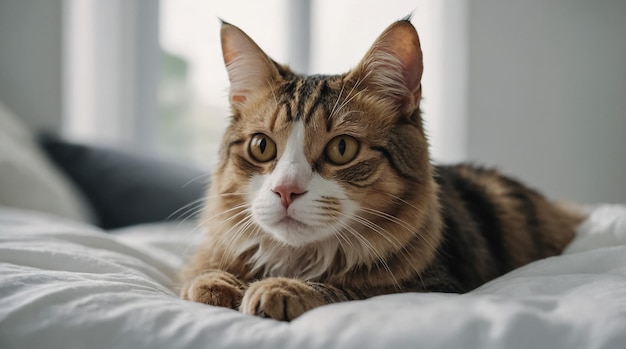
x,y
495,223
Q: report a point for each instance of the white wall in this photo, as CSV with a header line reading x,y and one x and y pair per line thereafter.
x,y
547,94
30,61
113,50
546,85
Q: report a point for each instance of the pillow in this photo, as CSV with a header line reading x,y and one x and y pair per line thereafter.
x,y
125,188
28,180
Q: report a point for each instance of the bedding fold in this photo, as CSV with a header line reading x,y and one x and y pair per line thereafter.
x,y
71,285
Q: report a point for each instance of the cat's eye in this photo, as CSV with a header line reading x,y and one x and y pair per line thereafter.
x,y
262,148
342,149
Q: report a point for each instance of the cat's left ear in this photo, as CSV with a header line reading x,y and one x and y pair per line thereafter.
x,y
393,66
249,68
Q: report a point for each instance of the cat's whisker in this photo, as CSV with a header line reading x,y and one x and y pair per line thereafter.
x,y
225,212
208,174
349,98
269,83
223,195
396,197
207,220
191,204
342,240
361,239
359,236
364,242
203,224
332,112
352,112
198,226
355,86
403,251
239,230
397,245
227,233
336,231
400,222
377,229
243,230
188,233
409,228
191,214
400,246
371,225
413,229
194,241
193,211
390,218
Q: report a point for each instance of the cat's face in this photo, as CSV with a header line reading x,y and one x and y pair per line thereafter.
x,y
307,159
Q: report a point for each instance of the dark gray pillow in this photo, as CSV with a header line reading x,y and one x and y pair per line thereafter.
x,y
126,188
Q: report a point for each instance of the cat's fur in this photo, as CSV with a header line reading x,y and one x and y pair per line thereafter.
x,y
290,227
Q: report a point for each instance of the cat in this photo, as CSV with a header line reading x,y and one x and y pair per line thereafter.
x,y
325,192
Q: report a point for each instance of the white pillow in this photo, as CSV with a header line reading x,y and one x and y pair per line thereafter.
x,y
29,180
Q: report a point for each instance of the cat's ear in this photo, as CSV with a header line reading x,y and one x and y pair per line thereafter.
x,y
393,66
249,68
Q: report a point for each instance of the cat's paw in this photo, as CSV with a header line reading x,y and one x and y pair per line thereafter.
x,y
217,288
280,298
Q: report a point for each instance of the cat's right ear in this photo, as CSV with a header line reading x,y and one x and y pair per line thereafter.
x,y
249,68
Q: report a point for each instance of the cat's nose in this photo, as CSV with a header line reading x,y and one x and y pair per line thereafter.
x,y
288,193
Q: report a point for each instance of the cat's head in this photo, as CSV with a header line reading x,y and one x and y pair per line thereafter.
x,y
311,158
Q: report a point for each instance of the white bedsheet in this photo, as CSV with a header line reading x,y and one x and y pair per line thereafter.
x,y
67,285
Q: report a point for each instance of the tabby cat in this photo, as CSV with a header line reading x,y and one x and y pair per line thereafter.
x,y
325,192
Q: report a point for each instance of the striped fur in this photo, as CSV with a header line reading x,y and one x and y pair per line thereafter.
x,y
387,221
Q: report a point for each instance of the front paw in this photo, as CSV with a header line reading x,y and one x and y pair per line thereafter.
x,y
217,288
280,298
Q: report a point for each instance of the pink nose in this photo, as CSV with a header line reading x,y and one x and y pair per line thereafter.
x,y
288,193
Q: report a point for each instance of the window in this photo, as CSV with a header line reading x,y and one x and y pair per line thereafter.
x,y
110,71
150,74
193,94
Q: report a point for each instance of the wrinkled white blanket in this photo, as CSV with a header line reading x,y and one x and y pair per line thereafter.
x,y
67,285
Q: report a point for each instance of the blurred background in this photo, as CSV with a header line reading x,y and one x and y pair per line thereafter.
x,y
536,88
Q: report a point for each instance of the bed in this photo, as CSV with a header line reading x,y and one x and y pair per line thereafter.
x,y
78,269
68,284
